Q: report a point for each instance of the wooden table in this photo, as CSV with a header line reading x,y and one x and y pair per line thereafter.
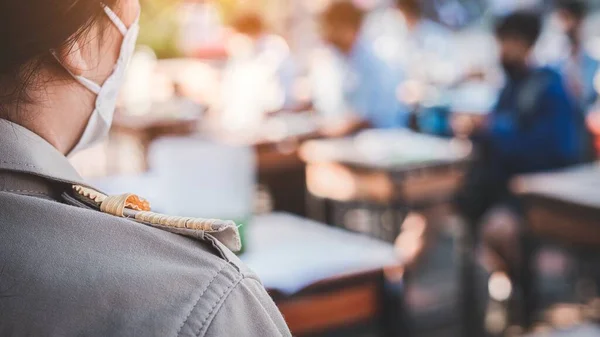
x,y
393,168
279,165
563,207
143,130
276,145
588,330
276,142
326,281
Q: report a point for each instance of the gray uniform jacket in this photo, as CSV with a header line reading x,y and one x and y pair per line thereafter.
x,y
70,270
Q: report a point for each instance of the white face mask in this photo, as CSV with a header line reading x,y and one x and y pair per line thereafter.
x,y
106,94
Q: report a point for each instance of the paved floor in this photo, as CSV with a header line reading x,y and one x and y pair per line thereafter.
x,y
431,295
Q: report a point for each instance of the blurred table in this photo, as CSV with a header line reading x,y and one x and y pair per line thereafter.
x,y
396,168
467,102
145,129
278,139
276,142
323,279
471,104
472,98
588,330
564,207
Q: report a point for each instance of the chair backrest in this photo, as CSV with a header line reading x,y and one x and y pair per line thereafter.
x,y
199,178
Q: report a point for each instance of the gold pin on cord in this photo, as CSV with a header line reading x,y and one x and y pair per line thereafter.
x,y
113,204
132,206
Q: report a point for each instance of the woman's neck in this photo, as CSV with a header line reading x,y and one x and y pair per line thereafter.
x,y
55,114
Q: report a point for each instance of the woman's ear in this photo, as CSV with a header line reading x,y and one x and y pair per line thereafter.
x,y
72,58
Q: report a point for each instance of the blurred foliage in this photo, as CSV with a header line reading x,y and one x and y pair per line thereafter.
x,y
159,27
227,9
159,23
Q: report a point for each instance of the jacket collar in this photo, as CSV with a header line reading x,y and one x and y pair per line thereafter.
x,y
23,151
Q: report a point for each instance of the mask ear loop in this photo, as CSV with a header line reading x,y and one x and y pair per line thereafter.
x,y
115,20
90,85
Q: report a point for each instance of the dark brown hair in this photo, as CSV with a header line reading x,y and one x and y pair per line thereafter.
x,y
412,6
342,13
577,8
250,23
523,25
29,30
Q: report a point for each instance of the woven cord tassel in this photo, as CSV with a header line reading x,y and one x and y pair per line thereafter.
x,y
114,205
177,221
117,204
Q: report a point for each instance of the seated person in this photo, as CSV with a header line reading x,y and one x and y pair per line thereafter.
x,y
534,127
567,53
350,82
426,50
259,76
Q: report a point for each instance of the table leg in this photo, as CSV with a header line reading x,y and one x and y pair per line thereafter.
x,y
287,188
396,320
528,279
472,322
317,208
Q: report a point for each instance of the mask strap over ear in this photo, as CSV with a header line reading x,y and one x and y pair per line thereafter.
x,y
115,20
90,85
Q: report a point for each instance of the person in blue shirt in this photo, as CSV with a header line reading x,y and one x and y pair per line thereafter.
x,y
351,82
535,126
578,67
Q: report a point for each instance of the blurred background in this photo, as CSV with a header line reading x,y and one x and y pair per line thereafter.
x,y
397,167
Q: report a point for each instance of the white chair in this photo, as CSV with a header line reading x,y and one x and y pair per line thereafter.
x,y
199,178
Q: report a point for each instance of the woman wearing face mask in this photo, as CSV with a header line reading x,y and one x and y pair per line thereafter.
x,y
74,261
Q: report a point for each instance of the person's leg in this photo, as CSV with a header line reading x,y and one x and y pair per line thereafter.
x,y
409,244
500,233
481,189
421,230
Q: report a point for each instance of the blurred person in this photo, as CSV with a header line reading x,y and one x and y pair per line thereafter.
x,y
422,48
578,67
269,46
351,83
426,50
432,58
73,261
535,126
259,75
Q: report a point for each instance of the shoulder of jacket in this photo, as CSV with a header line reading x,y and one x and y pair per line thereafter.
x,y
222,235
208,301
